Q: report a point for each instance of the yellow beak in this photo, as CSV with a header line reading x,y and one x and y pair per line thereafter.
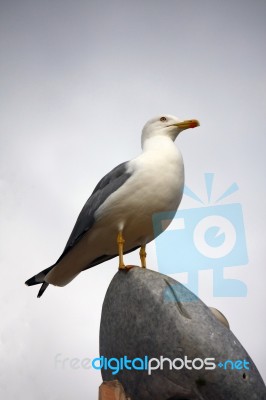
x,y
190,123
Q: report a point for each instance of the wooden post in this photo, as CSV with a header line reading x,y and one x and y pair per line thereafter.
x,y
112,390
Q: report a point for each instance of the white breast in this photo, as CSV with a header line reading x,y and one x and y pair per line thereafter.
x,y
156,185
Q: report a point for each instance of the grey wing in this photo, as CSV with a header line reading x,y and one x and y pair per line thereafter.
x,y
107,185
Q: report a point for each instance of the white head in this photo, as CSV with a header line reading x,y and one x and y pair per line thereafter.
x,y
166,125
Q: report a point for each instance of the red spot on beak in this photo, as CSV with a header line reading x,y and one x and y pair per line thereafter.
x,y
194,124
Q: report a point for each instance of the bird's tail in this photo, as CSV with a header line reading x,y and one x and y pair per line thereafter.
x,y
40,279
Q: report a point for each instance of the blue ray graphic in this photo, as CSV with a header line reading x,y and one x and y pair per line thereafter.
x,y
208,184
188,192
232,189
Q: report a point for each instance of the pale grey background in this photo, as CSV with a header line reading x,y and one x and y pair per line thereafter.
x,y
78,81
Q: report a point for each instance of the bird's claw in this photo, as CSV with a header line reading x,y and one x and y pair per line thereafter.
x,y
126,267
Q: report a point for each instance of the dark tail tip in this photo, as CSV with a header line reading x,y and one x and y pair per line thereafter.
x,y
43,288
39,279
32,281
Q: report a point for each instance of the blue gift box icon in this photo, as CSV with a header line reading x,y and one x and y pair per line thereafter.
x,y
208,237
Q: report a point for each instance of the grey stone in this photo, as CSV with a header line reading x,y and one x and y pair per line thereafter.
x,y
149,314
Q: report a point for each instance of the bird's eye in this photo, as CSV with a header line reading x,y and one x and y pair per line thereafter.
x,y
162,119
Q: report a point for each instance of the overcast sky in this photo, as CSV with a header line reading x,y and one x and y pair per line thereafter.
x,y
78,81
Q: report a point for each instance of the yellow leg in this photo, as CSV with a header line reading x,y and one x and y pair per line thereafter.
x,y
142,254
120,243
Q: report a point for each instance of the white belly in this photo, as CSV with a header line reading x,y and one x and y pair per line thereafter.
x,y
155,186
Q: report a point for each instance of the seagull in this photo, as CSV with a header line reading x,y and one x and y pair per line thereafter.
x,y
117,217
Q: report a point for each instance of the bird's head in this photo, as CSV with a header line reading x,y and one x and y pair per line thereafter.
x,y
166,125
